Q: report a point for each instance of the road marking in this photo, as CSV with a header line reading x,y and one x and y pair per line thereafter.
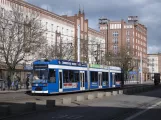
x,y
143,111
73,117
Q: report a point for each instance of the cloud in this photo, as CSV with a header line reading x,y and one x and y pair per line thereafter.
x,y
46,7
68,12
148,11
153,49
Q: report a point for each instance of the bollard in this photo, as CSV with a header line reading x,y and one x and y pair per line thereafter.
x,y
90,97
99,95
120,92
141,89
125,91
107,93
67,100
130,91
136,90
144,89
5,110
114,93
80,98
133,90
50,103
30,106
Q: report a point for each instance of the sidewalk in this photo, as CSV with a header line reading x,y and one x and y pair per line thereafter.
x,y
138,82
15,91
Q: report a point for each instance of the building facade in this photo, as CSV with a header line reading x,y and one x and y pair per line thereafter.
x,y
154,65
58,28
94,44
129,34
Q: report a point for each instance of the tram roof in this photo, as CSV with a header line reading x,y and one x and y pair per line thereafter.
x,y
73,63
104,67
60,62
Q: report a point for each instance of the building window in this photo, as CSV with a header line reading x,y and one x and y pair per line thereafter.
x,y
115,40
52,39
62,30
51,27
115,34
127,33
57,29
115,49
128,40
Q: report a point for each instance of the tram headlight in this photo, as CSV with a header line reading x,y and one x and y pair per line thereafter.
x,y
45,84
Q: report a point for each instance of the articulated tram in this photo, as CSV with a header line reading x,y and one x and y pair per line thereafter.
x,y
57,76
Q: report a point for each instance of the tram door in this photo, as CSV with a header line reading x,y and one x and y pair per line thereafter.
x,y
60,81
100,79
82,80
113,80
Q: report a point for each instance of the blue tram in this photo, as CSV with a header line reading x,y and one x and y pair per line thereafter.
x,y
54,76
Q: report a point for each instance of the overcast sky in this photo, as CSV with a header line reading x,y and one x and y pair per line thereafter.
x,y
148,11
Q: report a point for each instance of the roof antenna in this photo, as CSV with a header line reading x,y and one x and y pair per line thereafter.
x,y
79,9
83,9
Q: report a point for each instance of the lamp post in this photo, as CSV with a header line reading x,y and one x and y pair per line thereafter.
x,y
141,68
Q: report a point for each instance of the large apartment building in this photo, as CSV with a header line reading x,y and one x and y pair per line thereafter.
x,y
61,28
94,44
129,34
154,65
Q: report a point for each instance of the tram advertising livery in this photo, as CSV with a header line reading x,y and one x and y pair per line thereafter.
x,y
54,76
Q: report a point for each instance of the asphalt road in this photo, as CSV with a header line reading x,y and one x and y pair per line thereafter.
x,y
144,106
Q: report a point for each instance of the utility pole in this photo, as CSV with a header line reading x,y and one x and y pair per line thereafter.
x,y
141,68
78,44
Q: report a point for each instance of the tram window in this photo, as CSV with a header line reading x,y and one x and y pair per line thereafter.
x,y
76,76
71,75
94,76
103,76
86,77
65,76
52,78
117,76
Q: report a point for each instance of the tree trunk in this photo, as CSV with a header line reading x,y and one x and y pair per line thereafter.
x,y
11,73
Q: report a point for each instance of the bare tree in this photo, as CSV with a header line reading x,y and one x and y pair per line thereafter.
x,y
21,35
59,51
95,51
123,58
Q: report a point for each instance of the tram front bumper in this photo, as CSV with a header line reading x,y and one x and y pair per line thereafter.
x,y
33,91
39,89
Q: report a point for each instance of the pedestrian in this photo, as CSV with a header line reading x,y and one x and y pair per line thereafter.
x,y
13,84
9,82
27,82
16,83
3,86
19,81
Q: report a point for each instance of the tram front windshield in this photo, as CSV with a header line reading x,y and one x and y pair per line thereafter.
x,y
40,73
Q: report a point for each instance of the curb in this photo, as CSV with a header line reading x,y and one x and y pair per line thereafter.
x,y
8,92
